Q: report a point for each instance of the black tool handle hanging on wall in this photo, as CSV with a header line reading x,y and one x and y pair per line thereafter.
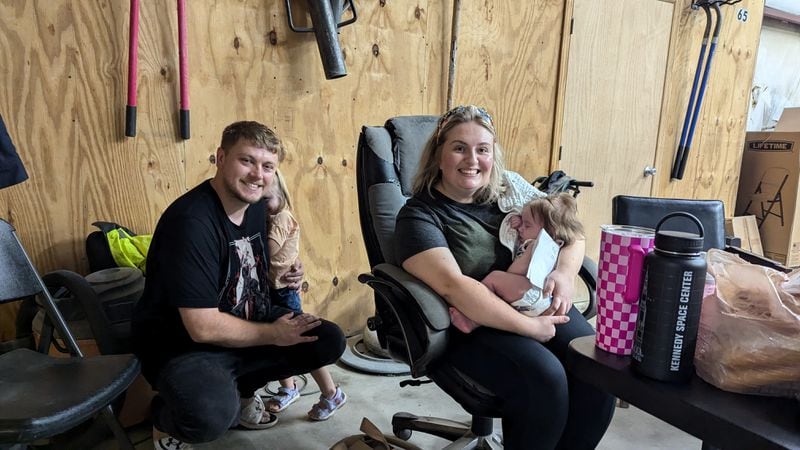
x,y
692,96
694,108
325,16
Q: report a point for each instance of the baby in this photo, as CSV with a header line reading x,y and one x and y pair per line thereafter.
x,y
554,215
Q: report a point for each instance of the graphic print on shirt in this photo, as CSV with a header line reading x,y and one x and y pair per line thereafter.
x,y
243,294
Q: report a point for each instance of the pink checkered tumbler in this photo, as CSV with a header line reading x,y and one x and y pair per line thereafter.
x,y
619,273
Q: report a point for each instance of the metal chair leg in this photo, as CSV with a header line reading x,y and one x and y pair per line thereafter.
x,y
116,428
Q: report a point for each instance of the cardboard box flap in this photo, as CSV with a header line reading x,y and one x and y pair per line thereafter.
x,y
789,121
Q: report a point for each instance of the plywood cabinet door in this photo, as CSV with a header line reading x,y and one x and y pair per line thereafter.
x,y
612,102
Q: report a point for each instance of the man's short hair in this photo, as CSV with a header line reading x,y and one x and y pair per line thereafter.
x,y
256,134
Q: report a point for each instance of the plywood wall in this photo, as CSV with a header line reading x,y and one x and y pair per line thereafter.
x,y
612,102
509,61
712,169
63,90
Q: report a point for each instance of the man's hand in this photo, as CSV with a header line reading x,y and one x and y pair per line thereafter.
x,y
289,330
294,277
562,288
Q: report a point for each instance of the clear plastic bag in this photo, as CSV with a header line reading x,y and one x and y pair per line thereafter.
x,y
749,335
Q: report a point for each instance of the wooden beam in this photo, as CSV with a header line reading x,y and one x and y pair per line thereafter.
x,y
783,16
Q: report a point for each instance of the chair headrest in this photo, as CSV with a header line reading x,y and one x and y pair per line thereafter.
x,y
388,158
409,134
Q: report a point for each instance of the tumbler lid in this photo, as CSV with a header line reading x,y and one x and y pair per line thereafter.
x,y
628,230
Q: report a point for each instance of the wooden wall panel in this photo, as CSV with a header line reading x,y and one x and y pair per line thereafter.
x,y
712,170
612,102
508,60
63,91
63,100
63,94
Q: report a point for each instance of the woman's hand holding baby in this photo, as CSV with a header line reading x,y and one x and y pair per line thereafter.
x,y
561,286
543,328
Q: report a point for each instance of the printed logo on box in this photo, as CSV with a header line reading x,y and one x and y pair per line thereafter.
x,y
770,146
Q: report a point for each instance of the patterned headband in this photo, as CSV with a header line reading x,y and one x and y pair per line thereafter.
x,y
460,110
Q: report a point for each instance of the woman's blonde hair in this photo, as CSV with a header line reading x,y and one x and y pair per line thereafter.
x,y
279,187
559,216
428,173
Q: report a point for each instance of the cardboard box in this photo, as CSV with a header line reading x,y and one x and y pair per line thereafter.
x,y
746,229
789,121
768,189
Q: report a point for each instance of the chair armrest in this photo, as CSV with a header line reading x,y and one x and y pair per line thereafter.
x,y
412,321
433,308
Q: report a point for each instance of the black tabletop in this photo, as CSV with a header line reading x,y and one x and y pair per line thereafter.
x,y
721,419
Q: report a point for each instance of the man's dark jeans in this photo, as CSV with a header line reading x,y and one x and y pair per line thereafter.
x,y
198,392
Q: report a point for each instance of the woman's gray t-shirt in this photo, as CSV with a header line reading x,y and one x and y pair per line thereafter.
x,y
470,231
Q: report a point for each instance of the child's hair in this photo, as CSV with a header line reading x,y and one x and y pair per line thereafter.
x,y
279,187
559,215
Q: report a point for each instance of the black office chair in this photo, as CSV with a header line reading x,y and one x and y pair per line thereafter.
x,y
43,396
648,211
412,321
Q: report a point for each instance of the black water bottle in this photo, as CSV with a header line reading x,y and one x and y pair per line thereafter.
x,y
669,306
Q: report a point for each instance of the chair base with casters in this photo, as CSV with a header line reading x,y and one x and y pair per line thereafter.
x,y
477,435
419,346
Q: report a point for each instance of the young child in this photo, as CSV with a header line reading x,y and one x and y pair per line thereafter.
x,y
284,247
557,215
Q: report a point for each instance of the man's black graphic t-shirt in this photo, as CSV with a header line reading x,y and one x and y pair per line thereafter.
x,y
199,259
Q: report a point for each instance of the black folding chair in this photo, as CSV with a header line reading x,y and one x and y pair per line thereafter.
x,y
42,396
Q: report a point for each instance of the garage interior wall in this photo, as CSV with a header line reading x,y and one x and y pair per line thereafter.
x,y
63,94
776,82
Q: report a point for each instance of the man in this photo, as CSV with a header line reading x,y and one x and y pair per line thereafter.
x,y
205,330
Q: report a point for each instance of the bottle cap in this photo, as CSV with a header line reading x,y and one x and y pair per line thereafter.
x,y
679,242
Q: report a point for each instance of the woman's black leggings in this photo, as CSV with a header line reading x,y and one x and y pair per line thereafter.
x,y
198,392
544,407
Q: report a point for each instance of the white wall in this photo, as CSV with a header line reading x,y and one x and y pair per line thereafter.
x,y
790,6
776,82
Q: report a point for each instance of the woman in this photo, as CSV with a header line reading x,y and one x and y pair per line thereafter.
x,y
447,236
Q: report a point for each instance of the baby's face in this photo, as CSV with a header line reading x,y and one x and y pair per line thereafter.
x,y
530,226
273,202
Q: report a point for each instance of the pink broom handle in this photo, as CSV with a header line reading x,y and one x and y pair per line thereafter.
x,y
133,60
184,70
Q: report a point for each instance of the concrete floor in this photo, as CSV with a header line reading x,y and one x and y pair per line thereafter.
x,y
377,397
